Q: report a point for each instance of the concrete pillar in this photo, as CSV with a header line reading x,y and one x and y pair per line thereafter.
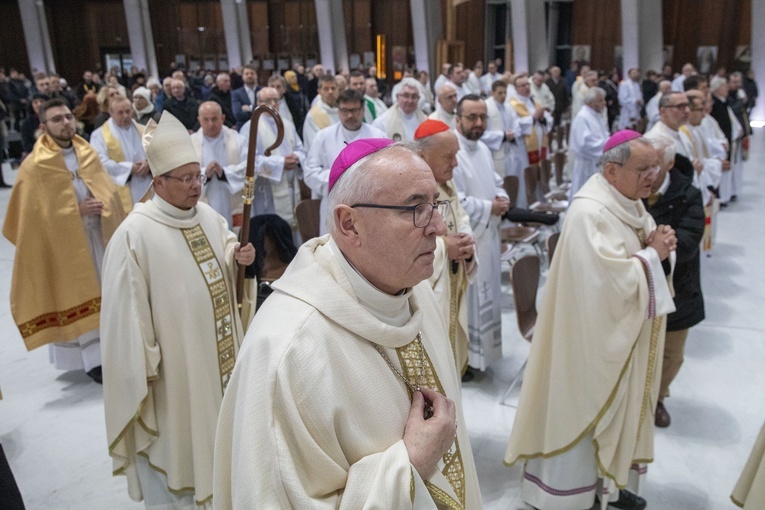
x,y
236,27
427,31
529,35
140,36
758,58
36,36
642,35
330,23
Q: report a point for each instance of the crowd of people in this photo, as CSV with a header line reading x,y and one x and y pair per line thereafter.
x,y
335,364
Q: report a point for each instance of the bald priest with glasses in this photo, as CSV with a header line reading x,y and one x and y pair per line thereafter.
x,y
170,328
345,393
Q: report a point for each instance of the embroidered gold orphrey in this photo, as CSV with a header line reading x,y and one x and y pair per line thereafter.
x,y
416,366
216,284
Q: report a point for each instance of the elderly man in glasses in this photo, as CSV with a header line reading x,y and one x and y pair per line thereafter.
x,y
584,426
328,144
345,392
171,329
401,120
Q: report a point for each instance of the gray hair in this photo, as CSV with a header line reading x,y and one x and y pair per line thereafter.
x,y
665,98
716,82
666,146
592,94
622,152
410,82
356,184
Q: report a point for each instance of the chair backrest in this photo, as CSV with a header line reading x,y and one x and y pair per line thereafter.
x,y
307,212
525,281
511,185
551,243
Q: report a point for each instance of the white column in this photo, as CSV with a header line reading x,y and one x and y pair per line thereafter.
x,y
642,36
519,35
331,27
236,28
36,36
529,35
758,56
140,36
426,31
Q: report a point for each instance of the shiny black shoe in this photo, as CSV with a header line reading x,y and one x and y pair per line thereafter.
x,y
95,374
628,501
468,375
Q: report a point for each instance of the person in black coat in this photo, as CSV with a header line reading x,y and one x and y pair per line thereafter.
x,y
559,90
183,107
678,203
221,94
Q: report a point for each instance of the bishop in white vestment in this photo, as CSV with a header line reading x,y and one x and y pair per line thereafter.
x,y
335,376
170,329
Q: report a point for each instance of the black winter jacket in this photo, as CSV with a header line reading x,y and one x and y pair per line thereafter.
x,y
682,208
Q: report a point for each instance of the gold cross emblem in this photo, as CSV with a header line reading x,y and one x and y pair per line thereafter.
x,y
213,273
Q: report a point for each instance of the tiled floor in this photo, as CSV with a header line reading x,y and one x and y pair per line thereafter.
x,y
52,424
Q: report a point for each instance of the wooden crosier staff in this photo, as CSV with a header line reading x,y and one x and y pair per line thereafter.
x,y
248,193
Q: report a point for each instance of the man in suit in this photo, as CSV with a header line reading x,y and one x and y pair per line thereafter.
x,y
243,98
559,90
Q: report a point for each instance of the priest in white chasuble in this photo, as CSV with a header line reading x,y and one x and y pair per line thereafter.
x,y
276,188
219,150
328,144
345,393
485,201
585,420
170,328
118,143
455,265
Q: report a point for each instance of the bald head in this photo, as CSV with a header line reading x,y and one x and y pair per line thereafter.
x,y
210,117
665,86
440,153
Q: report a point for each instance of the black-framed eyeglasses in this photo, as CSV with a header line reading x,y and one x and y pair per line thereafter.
x,y
681,106
186,180
421,213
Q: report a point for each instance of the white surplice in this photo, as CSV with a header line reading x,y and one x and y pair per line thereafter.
x,y
224,193
276,189
121,172
327,145
478,184
589,133
447,118
508,156
630,101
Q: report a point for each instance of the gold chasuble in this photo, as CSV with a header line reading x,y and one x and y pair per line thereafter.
x,y
320,117
56,298
322,390
535,152
170,333
115,153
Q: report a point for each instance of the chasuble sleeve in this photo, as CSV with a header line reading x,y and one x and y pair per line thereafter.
x,y
130,354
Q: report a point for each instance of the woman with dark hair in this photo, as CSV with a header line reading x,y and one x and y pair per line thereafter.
x,y
274,250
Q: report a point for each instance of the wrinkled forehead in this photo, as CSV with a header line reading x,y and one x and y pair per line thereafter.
x,y
402,176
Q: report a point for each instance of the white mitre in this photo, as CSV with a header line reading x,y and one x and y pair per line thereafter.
x,y
167,144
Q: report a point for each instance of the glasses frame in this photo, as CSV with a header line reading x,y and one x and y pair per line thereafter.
x,y
186,180
441,205
645,173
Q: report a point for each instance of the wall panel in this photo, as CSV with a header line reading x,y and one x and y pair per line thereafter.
x,y
13,49
597,23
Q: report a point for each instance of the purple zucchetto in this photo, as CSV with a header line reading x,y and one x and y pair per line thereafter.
x,y
352,153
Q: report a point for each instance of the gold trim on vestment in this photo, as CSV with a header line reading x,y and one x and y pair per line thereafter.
x,y
442,496
655,332
59,319
411,484
184,491
417,367
737,502
454,296
587,429
212,272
